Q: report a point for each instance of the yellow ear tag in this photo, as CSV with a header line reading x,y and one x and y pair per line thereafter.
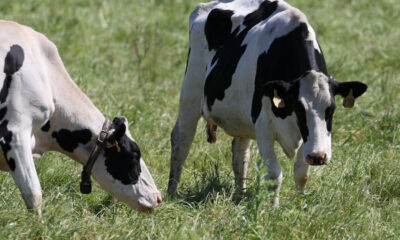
x,y
348,101
117,146
278,102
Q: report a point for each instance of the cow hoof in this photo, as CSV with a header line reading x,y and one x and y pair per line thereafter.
x,y
275,202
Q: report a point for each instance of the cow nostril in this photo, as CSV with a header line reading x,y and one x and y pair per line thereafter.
x,y
159,200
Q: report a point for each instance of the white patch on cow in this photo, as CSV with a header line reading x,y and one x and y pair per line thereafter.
x,y
285,131
316,98
241,9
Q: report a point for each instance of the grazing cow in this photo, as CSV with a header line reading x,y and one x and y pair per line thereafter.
x,y
42,109
256,70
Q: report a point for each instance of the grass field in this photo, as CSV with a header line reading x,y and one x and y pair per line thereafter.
x,y
129,57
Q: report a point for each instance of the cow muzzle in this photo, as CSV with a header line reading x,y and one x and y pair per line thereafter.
x,y
149,209
317,158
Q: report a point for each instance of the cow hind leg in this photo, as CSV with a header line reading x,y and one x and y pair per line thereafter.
x,y
181,139
301,171
22,168
190,104
240,161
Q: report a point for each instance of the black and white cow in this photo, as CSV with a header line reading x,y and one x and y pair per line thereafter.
x,y
256,70
42,109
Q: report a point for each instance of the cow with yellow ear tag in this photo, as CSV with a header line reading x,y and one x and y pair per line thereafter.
x,y
256,70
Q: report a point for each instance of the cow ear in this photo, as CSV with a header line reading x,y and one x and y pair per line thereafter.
x,y
349,91
277,91
117,125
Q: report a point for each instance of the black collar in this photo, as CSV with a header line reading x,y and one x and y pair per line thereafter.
x,y
105,133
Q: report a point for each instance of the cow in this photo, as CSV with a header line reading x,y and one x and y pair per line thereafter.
x,y
255,69
42,109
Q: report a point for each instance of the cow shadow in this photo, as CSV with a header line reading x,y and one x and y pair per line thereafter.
x,y
205,187
210,186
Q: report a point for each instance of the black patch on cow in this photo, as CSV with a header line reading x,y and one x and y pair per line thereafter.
x,y
320,60
288,58
46,127
228,46
124,165
12,63
11,163
5,88
218,27
331,109
70,140
301,119
5,139
3,113
329,116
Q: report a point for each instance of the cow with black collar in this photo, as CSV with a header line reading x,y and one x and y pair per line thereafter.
x,y
256,70
42,109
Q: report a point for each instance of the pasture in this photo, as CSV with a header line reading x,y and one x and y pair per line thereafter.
x,y
129,57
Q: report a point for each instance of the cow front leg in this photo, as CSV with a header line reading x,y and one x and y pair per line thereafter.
x,y
181,139
240,161
301,170
274,172
265,142
18,153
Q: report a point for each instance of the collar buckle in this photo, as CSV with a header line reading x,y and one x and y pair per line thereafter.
x,y
102,136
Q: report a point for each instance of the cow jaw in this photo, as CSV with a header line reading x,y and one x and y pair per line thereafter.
x,y
141,196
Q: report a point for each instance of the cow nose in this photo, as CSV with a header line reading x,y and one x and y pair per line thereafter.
x,y
316,158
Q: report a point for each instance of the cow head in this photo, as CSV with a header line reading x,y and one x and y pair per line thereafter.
x,y
121,171
312,99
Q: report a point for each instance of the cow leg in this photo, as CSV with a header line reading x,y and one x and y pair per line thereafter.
x,y
301,170
274,172
181,139
240,161
265,142
190,103
23,170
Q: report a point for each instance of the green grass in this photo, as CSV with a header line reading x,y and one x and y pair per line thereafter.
x,y
129,57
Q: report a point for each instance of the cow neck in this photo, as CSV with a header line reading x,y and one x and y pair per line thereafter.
x,y
80,118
